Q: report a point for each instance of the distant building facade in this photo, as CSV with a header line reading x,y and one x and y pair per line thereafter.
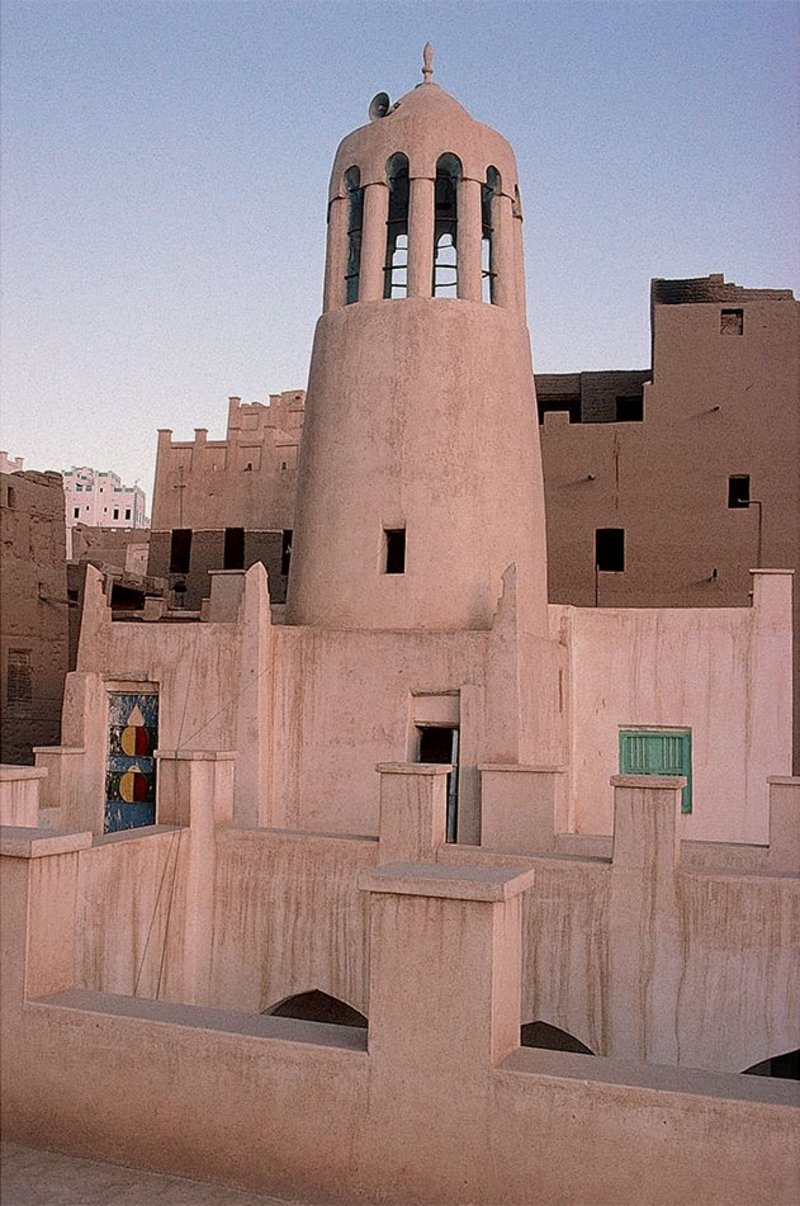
x,y
99,499
226,504
664,488
9,464
33,612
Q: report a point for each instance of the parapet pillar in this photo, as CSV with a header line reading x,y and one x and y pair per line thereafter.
x,y
645,958
444,1008
413,810
420,237
195,792
469,240
373,247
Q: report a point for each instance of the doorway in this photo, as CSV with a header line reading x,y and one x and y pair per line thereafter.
x,y
439,744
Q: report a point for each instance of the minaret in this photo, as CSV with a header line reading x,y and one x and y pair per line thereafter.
x,y
420,470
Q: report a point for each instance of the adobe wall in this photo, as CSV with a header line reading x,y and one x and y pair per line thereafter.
x,y
718,405
207,554
33,609
327,1113
724,673
311,711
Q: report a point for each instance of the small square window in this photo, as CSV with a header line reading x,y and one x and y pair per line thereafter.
x,y
739,490
630,410
394,545
731,322
609,550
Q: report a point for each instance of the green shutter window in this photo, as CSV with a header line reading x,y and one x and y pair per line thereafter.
x,y
658,752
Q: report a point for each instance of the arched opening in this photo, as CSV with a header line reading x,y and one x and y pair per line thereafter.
x,y
542,1034
316,1006
355,222
490,191
785,1067
395,270
445,230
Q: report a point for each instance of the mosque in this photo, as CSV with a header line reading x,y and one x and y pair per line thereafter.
x,y
418,889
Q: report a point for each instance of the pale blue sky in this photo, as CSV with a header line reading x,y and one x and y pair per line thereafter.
x,y
166,167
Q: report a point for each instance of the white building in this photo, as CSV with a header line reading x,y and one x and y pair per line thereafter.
x,y
101,500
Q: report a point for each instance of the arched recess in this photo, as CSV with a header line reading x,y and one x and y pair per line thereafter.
x,y
542,1034
785,1067
355,222
317,1006
395,270
490,191
445,230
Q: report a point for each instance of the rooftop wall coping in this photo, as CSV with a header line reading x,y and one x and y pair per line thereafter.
x,y
516,767
197,1017
61,750
447,883
17,841
14,774
788,780
663,1078
413,768
782,573
196,755
646,781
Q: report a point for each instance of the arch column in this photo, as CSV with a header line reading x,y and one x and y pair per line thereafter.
x,y
336,255
420,237
469,239
373,241
504,253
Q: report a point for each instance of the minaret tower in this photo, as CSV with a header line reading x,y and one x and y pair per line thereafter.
x,y
420,472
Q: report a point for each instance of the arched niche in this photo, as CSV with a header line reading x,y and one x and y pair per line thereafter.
x,y
317,1006
551,1038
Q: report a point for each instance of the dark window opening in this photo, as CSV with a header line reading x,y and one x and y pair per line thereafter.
x,y
785,1067
609,550
127,513
286,551
571,405
550,1038
126,598
439,744
180,553
630,410
316,1006
739,490
395,270
76,512
115,514
490,191
11,498
731,322
19,683
233,550
395,550
445,233
355,221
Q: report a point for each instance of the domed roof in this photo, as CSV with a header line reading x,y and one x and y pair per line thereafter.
x,y
425,123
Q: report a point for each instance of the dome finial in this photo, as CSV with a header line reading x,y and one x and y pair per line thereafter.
x,y
427,61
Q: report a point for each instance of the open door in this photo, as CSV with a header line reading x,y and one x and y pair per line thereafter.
x,y
439,744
